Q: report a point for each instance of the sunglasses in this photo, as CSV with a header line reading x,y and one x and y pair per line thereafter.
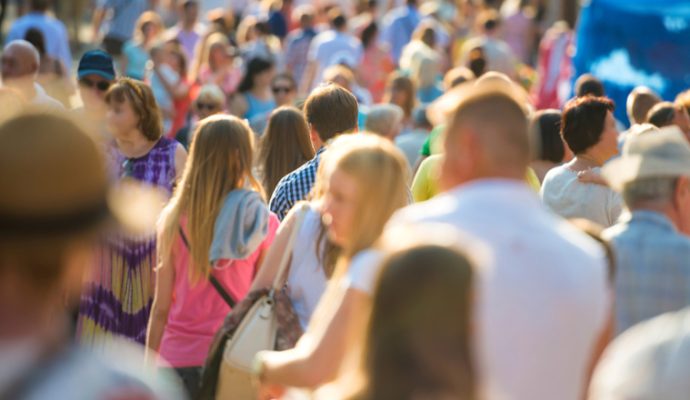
x,y
283,89
102,86
206,106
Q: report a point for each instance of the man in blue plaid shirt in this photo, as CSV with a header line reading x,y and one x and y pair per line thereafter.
x,y
652,250
330,110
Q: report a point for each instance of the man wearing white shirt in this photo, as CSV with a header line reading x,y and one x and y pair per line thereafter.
x,y
332,47
542,309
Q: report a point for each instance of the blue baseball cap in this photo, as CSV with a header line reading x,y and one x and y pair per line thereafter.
x,y
96,62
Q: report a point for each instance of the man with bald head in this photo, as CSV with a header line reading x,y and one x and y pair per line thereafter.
x,y
20,61
542,306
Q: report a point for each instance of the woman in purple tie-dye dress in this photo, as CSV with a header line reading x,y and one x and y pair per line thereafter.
x,y
118,293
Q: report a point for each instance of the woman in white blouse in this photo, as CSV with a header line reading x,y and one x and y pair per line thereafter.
x,y
589,129
355,207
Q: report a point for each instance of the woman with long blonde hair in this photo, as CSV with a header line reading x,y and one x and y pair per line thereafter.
x,y
215,63
284,146
216,226
362,181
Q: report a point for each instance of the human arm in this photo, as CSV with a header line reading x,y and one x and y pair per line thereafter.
x,y
590,176
271,262
280,203
98,17
180,161
176,90
162,300
318,355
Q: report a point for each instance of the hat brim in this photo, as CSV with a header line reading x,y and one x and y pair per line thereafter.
x,y
628,169
102,74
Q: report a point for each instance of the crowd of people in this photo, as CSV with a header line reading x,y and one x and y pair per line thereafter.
x,y
441,220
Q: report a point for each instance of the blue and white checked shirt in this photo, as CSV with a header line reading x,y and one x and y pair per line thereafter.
x,y
295,186
652,268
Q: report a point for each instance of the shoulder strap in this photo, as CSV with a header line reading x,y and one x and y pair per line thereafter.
x,y
214,282
281,276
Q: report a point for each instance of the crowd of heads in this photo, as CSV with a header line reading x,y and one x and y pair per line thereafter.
x,y
350,112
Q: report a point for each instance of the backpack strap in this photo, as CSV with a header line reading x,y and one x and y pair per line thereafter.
x,y
214,282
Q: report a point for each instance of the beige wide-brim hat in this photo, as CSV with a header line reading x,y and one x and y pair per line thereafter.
x,y
662,153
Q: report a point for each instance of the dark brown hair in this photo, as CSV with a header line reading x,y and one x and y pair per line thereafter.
x,y
589,85
400,82
545,127
331,110
284,146
140,97
583,121
413,349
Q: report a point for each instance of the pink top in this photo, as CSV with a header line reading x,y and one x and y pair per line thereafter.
x,y
197,311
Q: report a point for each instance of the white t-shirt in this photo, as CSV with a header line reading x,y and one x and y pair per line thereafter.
x,y
363,271
331,48
306,279
565,195
542,292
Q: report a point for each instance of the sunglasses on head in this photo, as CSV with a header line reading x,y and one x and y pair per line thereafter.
x,y
283,89
100,85
206,106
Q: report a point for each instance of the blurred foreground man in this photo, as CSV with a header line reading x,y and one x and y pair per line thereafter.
x,y
48,223
542,306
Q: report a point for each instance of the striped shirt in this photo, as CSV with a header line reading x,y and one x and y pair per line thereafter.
x,y
123,17
295,186
652,268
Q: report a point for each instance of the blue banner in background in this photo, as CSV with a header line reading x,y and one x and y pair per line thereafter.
x,y
627,43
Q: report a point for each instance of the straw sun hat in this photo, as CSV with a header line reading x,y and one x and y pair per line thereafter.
x,y
662,153
54,180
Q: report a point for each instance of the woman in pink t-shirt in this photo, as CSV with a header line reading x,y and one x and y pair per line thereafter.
x,y
212,227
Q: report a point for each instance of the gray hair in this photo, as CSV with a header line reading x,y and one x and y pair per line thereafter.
x,y
656,189
382,118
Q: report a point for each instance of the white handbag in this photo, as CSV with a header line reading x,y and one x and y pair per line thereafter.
x,y
256,332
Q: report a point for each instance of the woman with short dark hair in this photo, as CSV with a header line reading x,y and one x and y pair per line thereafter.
x,y
589,129
551,151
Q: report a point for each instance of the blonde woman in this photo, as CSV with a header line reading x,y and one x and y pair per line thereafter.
x,y
362,181
136,51
216,64
216,225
